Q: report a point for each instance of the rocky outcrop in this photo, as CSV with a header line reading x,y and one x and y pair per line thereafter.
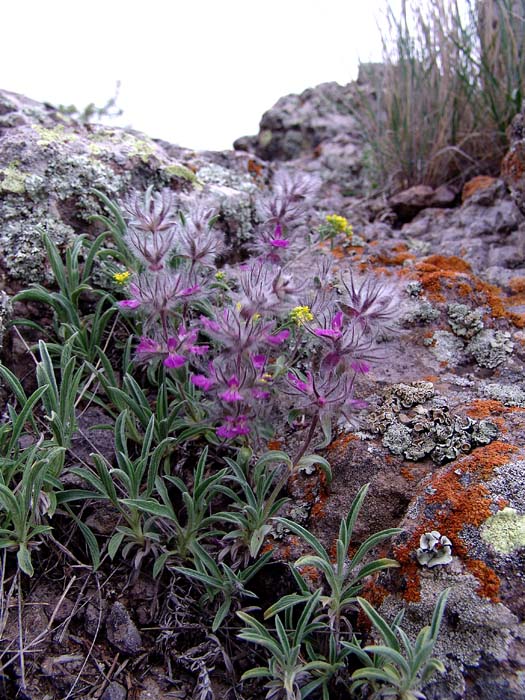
x,y
442,446
51,165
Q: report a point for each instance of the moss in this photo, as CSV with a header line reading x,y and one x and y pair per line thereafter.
x,y
505,531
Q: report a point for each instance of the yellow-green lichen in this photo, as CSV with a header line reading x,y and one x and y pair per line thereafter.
x,y
13,179
139,148
177,170
56,135
505,531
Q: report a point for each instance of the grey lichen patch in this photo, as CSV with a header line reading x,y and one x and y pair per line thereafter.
x,y
464,321
415,431
76,175
511,396
414,288
507,483
233,194
6,309
473,632
423,312
505,531
21,241
490,348
434,549
446,347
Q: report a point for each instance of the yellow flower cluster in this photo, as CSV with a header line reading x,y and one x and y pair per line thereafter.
x,y
122,277
340,224
219,275
301,314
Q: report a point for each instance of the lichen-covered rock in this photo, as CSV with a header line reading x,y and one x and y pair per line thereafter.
x,y
465,322
50,166
490,348
426,431
511,396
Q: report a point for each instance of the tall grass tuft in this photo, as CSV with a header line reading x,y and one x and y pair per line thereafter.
x,y
453,79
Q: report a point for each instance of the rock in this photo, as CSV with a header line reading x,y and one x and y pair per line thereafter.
x,y
318,130
408,203
513,164
114,691
476,184
50,164
122,632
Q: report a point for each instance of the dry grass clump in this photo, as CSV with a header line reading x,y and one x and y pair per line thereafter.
x,y
452,82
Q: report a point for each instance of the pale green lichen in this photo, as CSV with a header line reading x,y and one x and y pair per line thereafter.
x,y
505,531
53,136
464,321
490,348
423,312
13,179
178,170
511,396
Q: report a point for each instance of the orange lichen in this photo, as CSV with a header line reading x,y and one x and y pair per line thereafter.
x,y
480,182
483,460
517,285
456,505
341,442
483,408
489,582
443,262
407,474
274,444
311,574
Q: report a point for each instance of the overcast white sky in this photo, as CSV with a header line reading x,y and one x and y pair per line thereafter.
x,y
199,73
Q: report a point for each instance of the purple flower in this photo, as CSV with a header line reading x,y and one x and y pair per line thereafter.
x,y
373,304
279,243
260,394
148,346
278,338
303,387
233,426
202,381
259,362
189,291
335,328
135,301
232,394
360,366
174,361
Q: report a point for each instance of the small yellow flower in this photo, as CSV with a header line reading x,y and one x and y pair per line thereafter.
x,y
301,314
220,275
266,377
256,317
122,277
340,224
238,306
